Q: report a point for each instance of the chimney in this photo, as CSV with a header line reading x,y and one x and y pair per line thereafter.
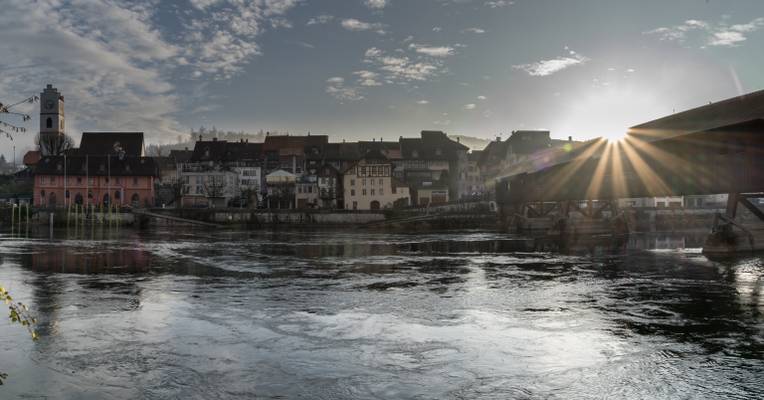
x,y
267,133
373,139
200,137
570,138
214,139
380,139
457,139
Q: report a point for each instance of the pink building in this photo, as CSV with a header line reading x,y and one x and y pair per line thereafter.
x,y
62,181
108,168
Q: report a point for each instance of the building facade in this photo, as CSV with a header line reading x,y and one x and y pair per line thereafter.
x,y
62,181
368,185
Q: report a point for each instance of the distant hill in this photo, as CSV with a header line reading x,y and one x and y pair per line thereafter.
x,y
474,143
206,134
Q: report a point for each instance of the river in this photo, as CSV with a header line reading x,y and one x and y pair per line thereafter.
x,y
197,314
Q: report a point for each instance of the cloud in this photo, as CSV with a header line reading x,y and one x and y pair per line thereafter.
x,y
549,67
353,24
481,98
320,19
406,66
439,51
373,52
470,106
474,30
423,102
402,69
498,3
437,29
367,78
118,68
710,34
335,87
376,4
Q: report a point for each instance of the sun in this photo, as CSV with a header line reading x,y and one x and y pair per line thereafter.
x,y
616,136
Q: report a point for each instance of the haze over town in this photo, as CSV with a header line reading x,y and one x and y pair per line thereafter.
x,y
367,69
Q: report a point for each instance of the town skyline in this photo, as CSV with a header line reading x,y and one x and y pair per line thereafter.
x,y
378,68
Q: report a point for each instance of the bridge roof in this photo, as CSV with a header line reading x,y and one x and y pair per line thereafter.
x,y
722,113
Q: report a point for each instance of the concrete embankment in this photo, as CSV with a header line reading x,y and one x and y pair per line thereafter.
x,y
254,218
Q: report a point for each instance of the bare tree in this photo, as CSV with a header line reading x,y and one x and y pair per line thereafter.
x,y
53,145
214,186
8,128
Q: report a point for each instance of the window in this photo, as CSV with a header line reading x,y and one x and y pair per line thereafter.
x,y
49,123
135,180
352,192
79,179
363,182
381,182
372,192
352,182
52,179
381,192
364,192
363,171
372,182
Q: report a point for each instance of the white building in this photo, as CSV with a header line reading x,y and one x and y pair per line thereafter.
x,y
368,185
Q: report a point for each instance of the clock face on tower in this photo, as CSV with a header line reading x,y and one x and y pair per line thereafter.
x,y
49,104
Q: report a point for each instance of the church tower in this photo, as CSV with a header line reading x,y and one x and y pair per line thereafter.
x,y
51,113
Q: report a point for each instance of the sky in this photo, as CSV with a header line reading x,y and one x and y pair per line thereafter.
x,y
362,69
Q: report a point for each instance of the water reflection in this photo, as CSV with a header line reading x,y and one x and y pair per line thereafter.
x,y
330,314
77,260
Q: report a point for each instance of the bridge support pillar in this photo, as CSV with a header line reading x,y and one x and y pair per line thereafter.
x,y
735,234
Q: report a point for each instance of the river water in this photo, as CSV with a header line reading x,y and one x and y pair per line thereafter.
x,y
195,314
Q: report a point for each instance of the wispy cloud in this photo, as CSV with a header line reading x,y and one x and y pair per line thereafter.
x,y
376,4
432,51
335,87
320,19
113,57
367,78
551,66
470,106
710,34
498,3
353,24
474,30
414,63
401,69
423,102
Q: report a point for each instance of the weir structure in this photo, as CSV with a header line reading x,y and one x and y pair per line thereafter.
x,y
714,149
